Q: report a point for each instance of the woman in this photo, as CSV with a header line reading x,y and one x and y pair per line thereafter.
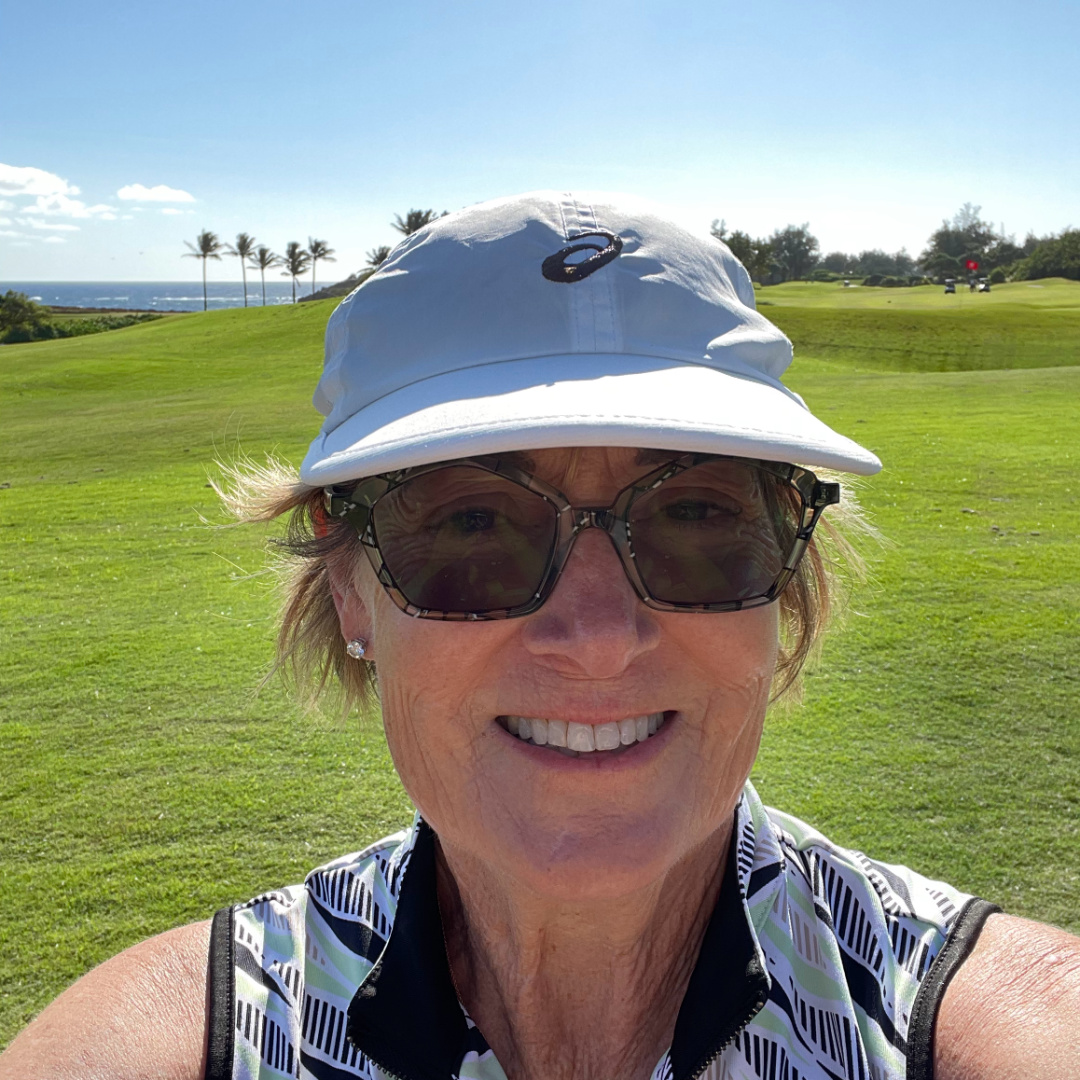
x,y
591,887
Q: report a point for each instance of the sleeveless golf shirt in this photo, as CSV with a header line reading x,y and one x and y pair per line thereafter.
x,y
818,963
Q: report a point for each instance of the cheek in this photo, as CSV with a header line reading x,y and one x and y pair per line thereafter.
x,y
435,681
733,660
734,652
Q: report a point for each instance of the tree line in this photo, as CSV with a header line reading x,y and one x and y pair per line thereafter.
x,y
794,253
297,259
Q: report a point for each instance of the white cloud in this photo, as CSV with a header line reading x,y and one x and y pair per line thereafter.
x,y
62,206
55,240
171,210
52,226
25,180
52,195
22,238
5,221
157,193
127,217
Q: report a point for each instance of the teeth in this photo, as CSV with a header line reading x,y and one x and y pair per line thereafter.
x,y
607,736
580,737
576,738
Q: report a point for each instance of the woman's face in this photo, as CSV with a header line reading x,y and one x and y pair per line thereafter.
x,y
601,824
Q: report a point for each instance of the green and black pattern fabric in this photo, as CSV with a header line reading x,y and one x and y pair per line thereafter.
x,y
818,963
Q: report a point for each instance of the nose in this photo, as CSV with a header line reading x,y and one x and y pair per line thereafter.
x,y
593,625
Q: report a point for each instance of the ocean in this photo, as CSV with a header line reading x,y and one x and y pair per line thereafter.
x,y
158,295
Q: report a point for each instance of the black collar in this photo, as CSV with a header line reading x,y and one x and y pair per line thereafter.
x,y
406,1017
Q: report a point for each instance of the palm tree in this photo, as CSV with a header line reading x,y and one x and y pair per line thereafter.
x,y
316,250
262,259
295,261
377,256
243,249
414,221
206,246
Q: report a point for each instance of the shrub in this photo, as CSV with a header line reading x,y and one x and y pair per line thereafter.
x,y
95,324
21,320
1057,256
17,309
873,279
997,276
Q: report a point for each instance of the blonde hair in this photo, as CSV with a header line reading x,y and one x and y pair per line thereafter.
x,y
310,648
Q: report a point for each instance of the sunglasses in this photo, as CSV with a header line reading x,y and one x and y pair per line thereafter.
x,y
481,538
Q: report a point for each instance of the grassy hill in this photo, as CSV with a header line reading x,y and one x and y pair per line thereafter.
x,y
1048,293
143,782
1019,325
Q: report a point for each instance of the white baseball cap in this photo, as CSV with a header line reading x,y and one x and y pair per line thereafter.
x,y
553,319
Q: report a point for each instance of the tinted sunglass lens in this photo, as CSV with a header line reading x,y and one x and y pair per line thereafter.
x,y
713,534
462,539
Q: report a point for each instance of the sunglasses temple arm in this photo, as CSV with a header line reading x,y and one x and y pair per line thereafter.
x,y
824,494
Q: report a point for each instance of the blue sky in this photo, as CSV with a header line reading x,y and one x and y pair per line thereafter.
x,y
871,121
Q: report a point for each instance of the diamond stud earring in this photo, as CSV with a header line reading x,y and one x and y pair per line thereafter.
x,y
356,648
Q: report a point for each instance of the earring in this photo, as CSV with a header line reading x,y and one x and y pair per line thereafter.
x,y
356,648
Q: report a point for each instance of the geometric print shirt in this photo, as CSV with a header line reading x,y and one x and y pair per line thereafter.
x,y
818,963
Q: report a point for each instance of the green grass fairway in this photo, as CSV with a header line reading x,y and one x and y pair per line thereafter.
x,y
1047,293
1019,325
144,783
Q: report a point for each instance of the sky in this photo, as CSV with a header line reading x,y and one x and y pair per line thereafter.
x,y
129,127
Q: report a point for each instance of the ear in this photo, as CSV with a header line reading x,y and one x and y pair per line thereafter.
x,y
353,615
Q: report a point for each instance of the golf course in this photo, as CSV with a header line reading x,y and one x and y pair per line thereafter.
x,y
146,779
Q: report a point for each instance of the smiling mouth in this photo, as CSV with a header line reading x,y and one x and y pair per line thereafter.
x,y
577,740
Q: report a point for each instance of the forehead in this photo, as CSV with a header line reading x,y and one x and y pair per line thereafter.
x,y
599,472
575,458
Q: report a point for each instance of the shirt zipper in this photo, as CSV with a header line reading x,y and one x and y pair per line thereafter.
x,y
756,1005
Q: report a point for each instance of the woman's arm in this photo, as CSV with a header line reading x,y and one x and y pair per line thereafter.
x,y
1013,1009
141,1014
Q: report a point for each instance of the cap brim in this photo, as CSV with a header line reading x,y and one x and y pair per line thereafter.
x,y
583,399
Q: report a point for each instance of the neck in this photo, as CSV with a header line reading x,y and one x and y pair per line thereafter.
x,y
583,990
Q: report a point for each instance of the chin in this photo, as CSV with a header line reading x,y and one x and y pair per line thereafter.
x,y
594,857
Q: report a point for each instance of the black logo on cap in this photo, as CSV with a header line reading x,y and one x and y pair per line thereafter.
x,y
556,268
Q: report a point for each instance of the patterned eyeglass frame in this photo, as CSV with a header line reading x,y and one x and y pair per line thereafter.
x,y
355,504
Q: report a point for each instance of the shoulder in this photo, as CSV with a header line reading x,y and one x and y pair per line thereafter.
x,y
140,1014
362,885
290,961
1021,982
975,994
917,911
884,939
